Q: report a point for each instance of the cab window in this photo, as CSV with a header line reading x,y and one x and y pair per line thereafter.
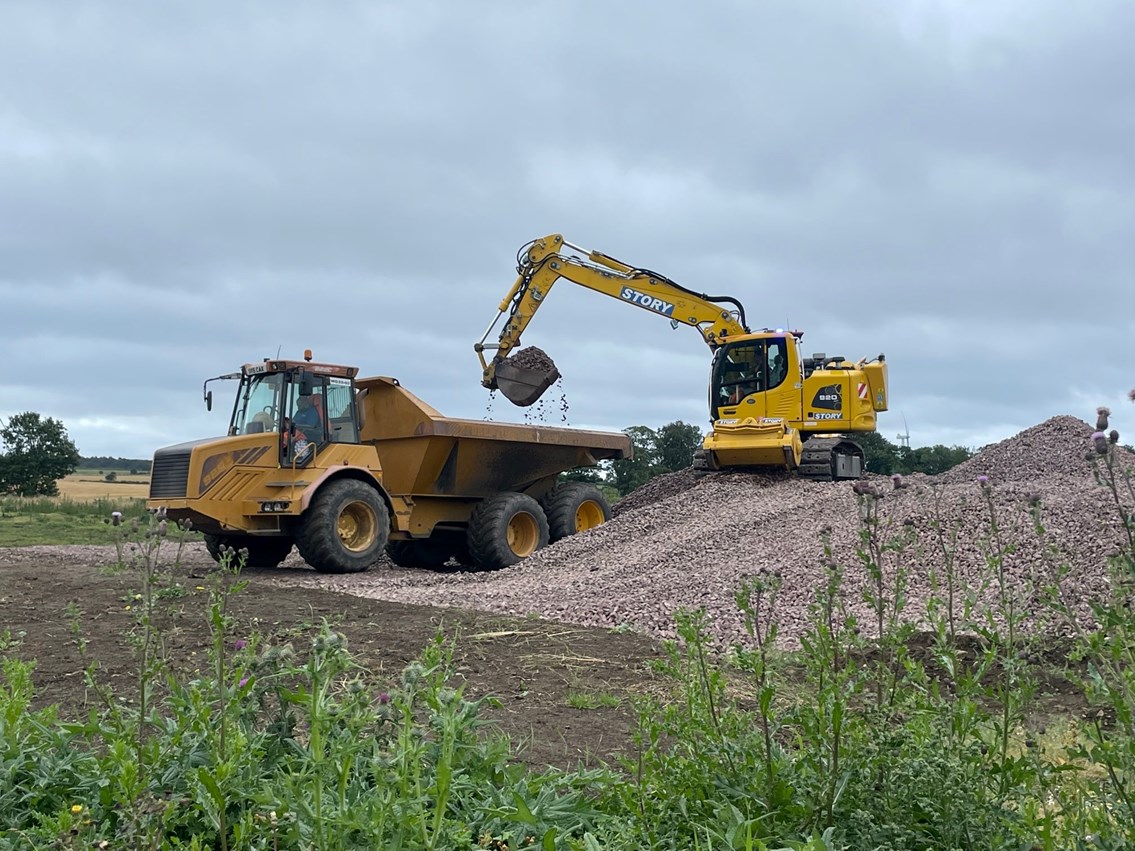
x,y
327,415
340,408
777,362
258,405
739,371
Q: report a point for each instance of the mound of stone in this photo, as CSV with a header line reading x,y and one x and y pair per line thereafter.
x,y
1055,447
660,487
688,542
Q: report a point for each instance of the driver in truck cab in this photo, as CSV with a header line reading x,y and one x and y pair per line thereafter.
x,y
308,414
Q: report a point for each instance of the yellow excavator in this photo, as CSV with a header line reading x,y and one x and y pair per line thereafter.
x,y
771,407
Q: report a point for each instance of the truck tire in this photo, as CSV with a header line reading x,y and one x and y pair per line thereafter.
x,y
262,552
345,529
573,507
428,553
505,529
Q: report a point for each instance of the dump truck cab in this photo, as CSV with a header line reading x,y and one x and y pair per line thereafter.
x,y
306,404
345,467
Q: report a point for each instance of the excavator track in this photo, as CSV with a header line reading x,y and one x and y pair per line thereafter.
x,y
827,459
823,459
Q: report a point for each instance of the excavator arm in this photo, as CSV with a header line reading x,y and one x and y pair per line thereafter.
x,y
544,261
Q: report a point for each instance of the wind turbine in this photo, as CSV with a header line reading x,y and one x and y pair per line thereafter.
x,y
904,438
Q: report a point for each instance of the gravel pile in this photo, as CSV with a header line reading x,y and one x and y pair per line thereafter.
x,y
1056,447
687,541
658,488
532,357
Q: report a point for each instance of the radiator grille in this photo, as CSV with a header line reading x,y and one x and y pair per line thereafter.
x,y
170,474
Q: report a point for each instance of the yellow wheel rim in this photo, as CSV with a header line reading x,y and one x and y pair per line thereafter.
x,y
588,516
523,534
357,526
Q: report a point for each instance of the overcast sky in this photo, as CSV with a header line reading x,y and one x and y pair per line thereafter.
x,y
185,187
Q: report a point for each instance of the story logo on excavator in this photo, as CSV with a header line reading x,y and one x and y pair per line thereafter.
x,y
650,302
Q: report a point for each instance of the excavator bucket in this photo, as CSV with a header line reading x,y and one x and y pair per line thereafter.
x,y
522,385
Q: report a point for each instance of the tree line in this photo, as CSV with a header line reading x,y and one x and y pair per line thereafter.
x,y
122,465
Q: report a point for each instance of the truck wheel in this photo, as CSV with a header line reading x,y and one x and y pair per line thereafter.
x,y
504,529
345,528
429,553
262,552
574,507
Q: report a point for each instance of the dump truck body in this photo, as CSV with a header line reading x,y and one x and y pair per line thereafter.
x,y
406,476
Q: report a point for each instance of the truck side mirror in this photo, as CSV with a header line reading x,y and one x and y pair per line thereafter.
x,y
307,385
209,400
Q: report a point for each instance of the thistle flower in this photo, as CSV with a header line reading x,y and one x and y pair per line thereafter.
x,y
116,518
1131,394
897,479
1101,418
1099,442
1033,499
243,682
1113,437
983,481
239,644
411,674
383,697
163,528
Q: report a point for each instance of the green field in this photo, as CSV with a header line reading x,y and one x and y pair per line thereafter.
x,y
27,522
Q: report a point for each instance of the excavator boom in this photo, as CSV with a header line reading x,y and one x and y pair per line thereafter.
x,y
544,261
769,404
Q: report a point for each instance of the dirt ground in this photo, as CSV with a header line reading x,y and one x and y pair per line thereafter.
x,y
532,666
565,690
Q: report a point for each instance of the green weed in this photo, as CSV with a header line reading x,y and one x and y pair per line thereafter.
x,y
592,700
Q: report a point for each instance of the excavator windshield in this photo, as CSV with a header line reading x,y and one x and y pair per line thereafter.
x,y
746,367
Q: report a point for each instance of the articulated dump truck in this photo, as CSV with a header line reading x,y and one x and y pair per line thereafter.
x,y
345,468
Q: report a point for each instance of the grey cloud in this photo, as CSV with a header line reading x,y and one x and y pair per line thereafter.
x,y
185,188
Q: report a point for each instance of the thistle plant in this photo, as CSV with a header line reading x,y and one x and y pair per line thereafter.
x,y
879,550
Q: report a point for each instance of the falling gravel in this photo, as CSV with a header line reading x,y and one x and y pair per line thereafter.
x,y
686,541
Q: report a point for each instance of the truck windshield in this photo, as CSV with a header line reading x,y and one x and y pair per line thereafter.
x,y
258,404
